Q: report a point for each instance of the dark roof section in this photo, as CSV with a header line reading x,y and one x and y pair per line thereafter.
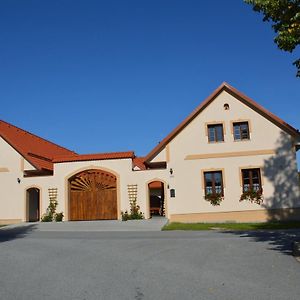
x,y
237,94
36,150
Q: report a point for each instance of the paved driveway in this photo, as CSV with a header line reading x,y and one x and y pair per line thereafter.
x,y
36,264
154,224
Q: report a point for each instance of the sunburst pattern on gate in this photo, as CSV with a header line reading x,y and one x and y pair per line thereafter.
x,y
92,180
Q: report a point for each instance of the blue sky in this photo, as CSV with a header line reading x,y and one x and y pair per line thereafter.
x,y
101,76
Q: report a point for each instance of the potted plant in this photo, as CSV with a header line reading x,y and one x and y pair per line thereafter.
x,y
215,199
254,196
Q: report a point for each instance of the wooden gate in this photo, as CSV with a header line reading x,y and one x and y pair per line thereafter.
x,y
93,196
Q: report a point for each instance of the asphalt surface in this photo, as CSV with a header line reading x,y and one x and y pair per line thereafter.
x,y
154,224
137,265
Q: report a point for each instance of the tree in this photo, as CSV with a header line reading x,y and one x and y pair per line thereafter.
x,y
285,15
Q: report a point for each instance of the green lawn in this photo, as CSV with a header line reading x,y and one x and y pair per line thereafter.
x,y
231,226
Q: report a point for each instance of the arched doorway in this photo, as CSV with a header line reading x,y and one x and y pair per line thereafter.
x,y
156,198
93,196
33,204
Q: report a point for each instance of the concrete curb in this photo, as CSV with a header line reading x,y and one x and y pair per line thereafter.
x,y
296,250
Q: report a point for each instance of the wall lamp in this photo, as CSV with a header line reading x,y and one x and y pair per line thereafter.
x,y
18,180
171,171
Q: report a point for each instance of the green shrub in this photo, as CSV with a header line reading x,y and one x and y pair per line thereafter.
x,y
58,217
134,214
125,216
51,214
46,218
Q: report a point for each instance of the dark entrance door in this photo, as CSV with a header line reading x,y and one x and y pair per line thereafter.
x,y
33,200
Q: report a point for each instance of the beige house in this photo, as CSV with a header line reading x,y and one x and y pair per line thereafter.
x,y
228,147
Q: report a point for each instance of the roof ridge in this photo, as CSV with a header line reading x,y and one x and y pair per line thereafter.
x,y
36,136
94,156
96,153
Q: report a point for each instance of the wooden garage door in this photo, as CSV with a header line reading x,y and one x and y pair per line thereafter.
x,y
93,196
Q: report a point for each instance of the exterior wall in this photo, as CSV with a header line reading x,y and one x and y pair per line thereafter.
x,y
162,156
188,154
268,148
13,194
26,165
121,168
12,197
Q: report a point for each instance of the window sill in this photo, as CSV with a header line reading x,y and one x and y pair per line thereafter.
x,y
221,142
237,141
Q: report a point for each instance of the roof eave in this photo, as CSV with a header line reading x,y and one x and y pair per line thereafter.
x,y
20,152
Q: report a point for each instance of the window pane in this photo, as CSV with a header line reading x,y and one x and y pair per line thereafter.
x,y
219,129
218,182
208,190
208,178
208,183
256,187
215,133
244,131
218,178
211,134
255,179
246,174
236,132
255,175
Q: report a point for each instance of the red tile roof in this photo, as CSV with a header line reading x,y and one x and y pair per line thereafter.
x,y
36,150
42,154
240,96
97,156
139,162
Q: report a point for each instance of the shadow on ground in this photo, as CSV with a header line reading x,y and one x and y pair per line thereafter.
x,y
9,234
278,240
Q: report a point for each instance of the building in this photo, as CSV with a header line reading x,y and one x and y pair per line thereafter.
x,y
227,147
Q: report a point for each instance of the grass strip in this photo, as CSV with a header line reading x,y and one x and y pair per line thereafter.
x,y
232,226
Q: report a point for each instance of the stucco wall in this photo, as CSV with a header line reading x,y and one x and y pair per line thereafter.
x,y
122,168
279,169
13,194
160,156
269,148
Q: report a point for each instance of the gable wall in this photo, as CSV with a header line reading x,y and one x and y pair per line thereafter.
x,y
28,166
192,142
161,156
12,192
